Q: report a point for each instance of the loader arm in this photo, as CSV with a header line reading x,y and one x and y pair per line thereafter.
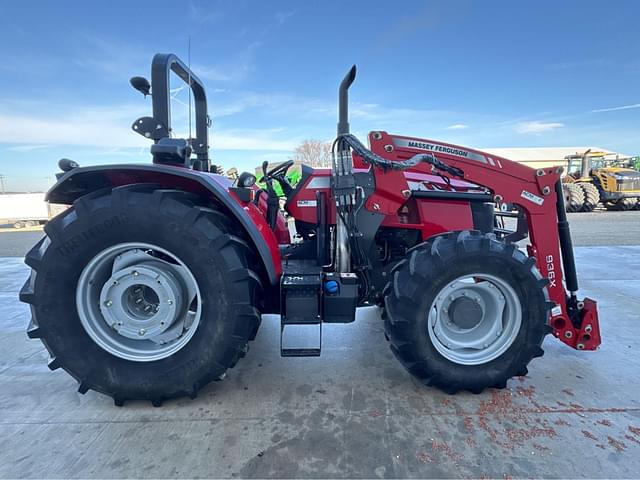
x,y
535,192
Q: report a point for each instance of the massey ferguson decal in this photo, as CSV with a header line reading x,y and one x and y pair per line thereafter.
x,y
437,147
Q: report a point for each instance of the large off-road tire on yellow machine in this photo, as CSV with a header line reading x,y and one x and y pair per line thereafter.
x,y
465,311
621,205
142,293
591,196
573,197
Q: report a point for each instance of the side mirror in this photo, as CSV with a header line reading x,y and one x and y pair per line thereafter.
x,y
246,180
66,165
141,84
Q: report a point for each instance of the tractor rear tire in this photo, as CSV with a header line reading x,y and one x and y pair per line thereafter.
x,y
591,196
491,269
573,197
187,236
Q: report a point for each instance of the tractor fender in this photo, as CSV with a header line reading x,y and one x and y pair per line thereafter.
x,y
83,180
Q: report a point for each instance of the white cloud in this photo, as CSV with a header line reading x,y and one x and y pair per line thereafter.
x,y
252,139
29,148
235,71
78,128
205,14
457,126
537,126
215,74
102,127
615,109
282,17
113,59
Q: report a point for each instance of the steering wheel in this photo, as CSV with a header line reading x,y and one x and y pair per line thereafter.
x,y
278,173
280,170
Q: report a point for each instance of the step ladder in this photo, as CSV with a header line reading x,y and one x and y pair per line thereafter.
x,y
301,308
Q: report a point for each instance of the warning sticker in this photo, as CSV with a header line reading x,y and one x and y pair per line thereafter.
x,y
532,198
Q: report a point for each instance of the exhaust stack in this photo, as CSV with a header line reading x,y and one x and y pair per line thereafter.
x,y
342,181
343,101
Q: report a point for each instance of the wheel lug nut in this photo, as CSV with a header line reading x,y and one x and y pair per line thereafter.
x,y
115,282
142,331
170,302
135,273
108,303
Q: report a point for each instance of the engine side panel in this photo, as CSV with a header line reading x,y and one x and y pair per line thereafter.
x,y
431,217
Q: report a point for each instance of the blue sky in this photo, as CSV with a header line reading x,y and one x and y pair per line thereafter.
x,y
482,74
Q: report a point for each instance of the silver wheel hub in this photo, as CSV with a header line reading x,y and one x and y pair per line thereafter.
x,y
138,302
474,319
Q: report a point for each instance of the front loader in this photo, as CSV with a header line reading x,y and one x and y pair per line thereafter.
x,y
153,283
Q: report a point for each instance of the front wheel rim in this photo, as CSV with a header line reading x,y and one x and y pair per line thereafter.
x,y
474,319
138,302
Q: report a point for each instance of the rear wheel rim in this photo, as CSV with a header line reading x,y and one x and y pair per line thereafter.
x,y
138,302
474,319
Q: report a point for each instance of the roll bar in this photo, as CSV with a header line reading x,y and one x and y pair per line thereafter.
x,y
161,67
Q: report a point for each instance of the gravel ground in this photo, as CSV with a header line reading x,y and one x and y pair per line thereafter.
x,y
599,228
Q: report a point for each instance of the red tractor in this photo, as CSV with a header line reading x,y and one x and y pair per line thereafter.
x,y
154,281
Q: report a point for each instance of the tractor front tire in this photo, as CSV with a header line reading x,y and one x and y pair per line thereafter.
x,y
591,196
465,311
573,197
142,293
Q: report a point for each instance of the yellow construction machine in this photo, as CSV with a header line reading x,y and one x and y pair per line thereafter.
x,y
595,177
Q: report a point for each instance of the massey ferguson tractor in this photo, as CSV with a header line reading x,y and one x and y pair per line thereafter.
x,y
154,281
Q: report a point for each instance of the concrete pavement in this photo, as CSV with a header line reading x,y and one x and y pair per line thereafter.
x,y
354,412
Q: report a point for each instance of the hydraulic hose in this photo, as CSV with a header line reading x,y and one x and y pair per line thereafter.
x,y
377,161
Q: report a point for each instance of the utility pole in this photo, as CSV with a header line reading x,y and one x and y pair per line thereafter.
x,y
2,177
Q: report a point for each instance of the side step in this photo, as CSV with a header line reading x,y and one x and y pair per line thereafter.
x,y
308,299
301,306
